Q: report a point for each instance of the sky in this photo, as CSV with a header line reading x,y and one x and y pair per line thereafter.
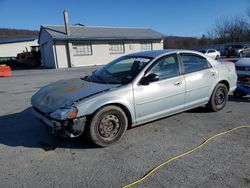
x,y
170,17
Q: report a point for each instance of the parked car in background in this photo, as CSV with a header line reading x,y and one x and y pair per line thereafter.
x,y
211,53
237,50
132,90
243,72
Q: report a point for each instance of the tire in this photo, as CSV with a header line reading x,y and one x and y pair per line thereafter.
x,y
241,54
239,94
108,126
217,57
218,98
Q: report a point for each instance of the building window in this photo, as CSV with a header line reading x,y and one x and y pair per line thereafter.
x,y
146,46
116,48
82,49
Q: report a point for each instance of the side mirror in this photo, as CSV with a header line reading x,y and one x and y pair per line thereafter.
x,y
149,78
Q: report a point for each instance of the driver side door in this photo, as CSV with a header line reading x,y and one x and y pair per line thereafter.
x,y
163,97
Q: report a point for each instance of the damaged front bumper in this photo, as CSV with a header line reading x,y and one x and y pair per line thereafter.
x,y
68,128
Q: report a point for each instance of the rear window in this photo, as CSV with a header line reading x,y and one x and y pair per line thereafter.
x,y
193,63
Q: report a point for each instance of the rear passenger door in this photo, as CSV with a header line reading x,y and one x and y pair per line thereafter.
x,y
200,77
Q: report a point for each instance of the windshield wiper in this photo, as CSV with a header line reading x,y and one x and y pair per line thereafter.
x,y
100,79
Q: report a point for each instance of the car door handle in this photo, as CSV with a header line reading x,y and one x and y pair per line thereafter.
x,y
177,83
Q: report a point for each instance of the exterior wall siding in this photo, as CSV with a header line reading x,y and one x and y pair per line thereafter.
x,y
47,53
12,49
101,55
47,50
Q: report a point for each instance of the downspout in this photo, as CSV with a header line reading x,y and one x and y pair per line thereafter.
x,y
67,30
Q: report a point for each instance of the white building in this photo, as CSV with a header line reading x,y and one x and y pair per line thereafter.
x,y
79,45
10,48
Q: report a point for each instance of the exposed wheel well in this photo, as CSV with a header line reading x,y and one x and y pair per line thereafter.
x,y
124,108
225,83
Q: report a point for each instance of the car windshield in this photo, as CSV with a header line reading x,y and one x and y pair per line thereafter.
x,y
120,71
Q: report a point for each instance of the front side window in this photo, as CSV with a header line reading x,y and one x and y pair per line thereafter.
x,y
120,71
146,46
166,67
82,49
193,63
116,48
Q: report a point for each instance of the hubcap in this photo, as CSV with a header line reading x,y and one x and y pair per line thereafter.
x,y
219,97
109,126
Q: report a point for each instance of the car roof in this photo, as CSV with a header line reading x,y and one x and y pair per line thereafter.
x,y
156,53
152,53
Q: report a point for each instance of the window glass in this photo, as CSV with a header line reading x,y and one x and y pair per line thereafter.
x,y
120,71
211,51
194,63
82,49
166,67
146,46
116,48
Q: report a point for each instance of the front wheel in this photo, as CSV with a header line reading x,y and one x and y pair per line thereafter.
x,y
218,98
108,126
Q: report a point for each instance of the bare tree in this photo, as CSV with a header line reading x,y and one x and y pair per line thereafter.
x,y
229,29
248,13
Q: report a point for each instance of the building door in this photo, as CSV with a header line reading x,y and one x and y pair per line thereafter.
x,y
62,54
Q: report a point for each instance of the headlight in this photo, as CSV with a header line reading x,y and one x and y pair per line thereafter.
x,y
64,113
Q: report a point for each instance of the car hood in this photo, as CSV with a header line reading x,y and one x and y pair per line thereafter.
x,y
245,61
65,92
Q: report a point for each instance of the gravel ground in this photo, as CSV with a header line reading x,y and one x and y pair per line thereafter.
x,y
224,162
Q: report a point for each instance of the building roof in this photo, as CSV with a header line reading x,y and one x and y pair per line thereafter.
x,y
101,33
17,40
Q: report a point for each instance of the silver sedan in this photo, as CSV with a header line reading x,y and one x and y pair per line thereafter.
x,y
132,90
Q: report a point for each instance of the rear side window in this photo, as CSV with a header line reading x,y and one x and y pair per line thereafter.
x,y
193,63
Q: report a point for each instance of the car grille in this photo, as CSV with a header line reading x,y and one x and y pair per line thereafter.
x,y
242,68
242,78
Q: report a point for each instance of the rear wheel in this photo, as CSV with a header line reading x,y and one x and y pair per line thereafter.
x,y
218,98
108,126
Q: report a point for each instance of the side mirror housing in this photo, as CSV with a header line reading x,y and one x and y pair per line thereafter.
x,y
149,78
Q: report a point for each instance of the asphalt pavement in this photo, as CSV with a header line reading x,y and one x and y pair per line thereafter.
x,y
31,157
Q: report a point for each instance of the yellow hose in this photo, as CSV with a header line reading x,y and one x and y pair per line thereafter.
x,y
183,154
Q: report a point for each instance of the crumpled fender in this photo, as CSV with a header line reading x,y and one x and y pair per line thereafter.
x,y
123,96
